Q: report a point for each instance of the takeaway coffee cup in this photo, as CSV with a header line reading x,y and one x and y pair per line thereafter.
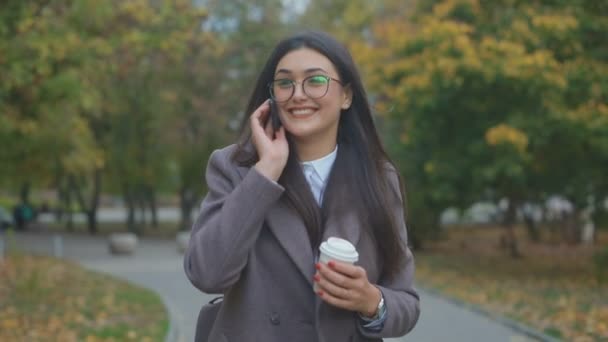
x,y
339,250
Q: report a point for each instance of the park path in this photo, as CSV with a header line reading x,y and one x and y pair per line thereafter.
x,y
157,265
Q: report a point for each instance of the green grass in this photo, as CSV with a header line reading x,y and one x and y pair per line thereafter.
x,y
43,296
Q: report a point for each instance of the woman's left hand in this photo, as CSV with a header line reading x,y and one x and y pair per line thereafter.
x,y
346,286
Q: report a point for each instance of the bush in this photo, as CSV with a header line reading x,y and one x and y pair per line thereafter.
x,y
600,259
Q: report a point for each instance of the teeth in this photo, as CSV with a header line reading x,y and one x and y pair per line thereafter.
x,y
302,111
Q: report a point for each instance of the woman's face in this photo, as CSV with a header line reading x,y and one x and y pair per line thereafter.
x,y
309,118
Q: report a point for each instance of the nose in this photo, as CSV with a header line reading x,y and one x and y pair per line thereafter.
x,y
298,92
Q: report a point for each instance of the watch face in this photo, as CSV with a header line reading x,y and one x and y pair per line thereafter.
x,y
381,306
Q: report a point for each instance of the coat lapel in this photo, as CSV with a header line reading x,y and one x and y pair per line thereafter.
x,y
291,233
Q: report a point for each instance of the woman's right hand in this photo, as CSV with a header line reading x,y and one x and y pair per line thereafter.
x,y
272,149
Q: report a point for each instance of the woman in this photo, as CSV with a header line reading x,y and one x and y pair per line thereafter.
x,y
275,196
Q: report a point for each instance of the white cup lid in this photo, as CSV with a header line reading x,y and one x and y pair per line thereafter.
x,y
339,249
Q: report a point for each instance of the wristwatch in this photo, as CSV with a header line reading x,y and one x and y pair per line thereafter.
x,y
380,309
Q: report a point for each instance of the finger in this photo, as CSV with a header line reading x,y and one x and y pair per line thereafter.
x,y
260,113
258,117
332,289
335,301
336,278
349,270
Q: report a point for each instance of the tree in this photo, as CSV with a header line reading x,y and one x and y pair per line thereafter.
x,y
42,96
82,95
475,96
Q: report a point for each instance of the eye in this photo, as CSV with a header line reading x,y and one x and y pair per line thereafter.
x,y
316,81
283,83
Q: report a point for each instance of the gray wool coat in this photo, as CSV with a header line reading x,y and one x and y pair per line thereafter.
x,y
248,245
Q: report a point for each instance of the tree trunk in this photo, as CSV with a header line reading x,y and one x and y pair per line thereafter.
x,y
588,225
67,208
20,215
77,190
151,200
532,228
570,226
25,193
141,205
130,202
511,238
90,210
186,203
61,196
91,221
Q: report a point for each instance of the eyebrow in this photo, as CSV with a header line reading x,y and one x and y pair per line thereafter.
x,y
307,71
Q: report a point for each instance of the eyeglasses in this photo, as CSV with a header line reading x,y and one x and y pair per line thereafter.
x,y
315,87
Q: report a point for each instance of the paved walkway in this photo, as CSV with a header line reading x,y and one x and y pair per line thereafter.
x,y
157,265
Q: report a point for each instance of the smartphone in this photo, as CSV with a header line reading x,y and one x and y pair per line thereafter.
x,y
275,121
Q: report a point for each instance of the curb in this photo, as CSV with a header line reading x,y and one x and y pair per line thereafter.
x,y
519,327
173,331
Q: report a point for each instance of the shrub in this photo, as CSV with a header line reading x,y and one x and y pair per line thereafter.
x,y
600,259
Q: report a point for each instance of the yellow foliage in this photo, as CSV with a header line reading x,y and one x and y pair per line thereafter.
x,y
169,96
554,288
592,114
38,306
429,167
555,23
404,138
28,127
420,81
101,46
505,134
445,8
137,9
25,25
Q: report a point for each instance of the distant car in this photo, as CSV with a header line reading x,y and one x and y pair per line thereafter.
x,y
6,219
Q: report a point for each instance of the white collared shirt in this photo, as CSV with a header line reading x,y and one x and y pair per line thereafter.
x,y
317,172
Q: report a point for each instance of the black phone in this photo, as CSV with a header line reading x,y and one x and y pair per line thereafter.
x,y
275,121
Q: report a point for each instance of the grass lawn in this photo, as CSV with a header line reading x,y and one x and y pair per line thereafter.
x,y
42,298
552,287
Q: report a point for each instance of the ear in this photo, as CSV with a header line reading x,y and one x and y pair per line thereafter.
x,y
347,97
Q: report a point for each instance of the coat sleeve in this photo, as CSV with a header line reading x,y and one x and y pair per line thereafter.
x,y
401,299
229,221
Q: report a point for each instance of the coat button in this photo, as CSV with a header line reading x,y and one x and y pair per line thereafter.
x,y
275,318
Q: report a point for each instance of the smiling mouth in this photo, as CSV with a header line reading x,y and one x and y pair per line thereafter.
x,y
302,113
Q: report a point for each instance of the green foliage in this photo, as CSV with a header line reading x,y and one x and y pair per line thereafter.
x,y
106,87
600,260
491,100
476,99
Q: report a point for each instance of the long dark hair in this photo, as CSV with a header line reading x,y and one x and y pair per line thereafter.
x,y
360,172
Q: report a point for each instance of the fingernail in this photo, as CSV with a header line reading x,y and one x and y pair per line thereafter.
x,y
318,266
331,264
320,293
316,277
